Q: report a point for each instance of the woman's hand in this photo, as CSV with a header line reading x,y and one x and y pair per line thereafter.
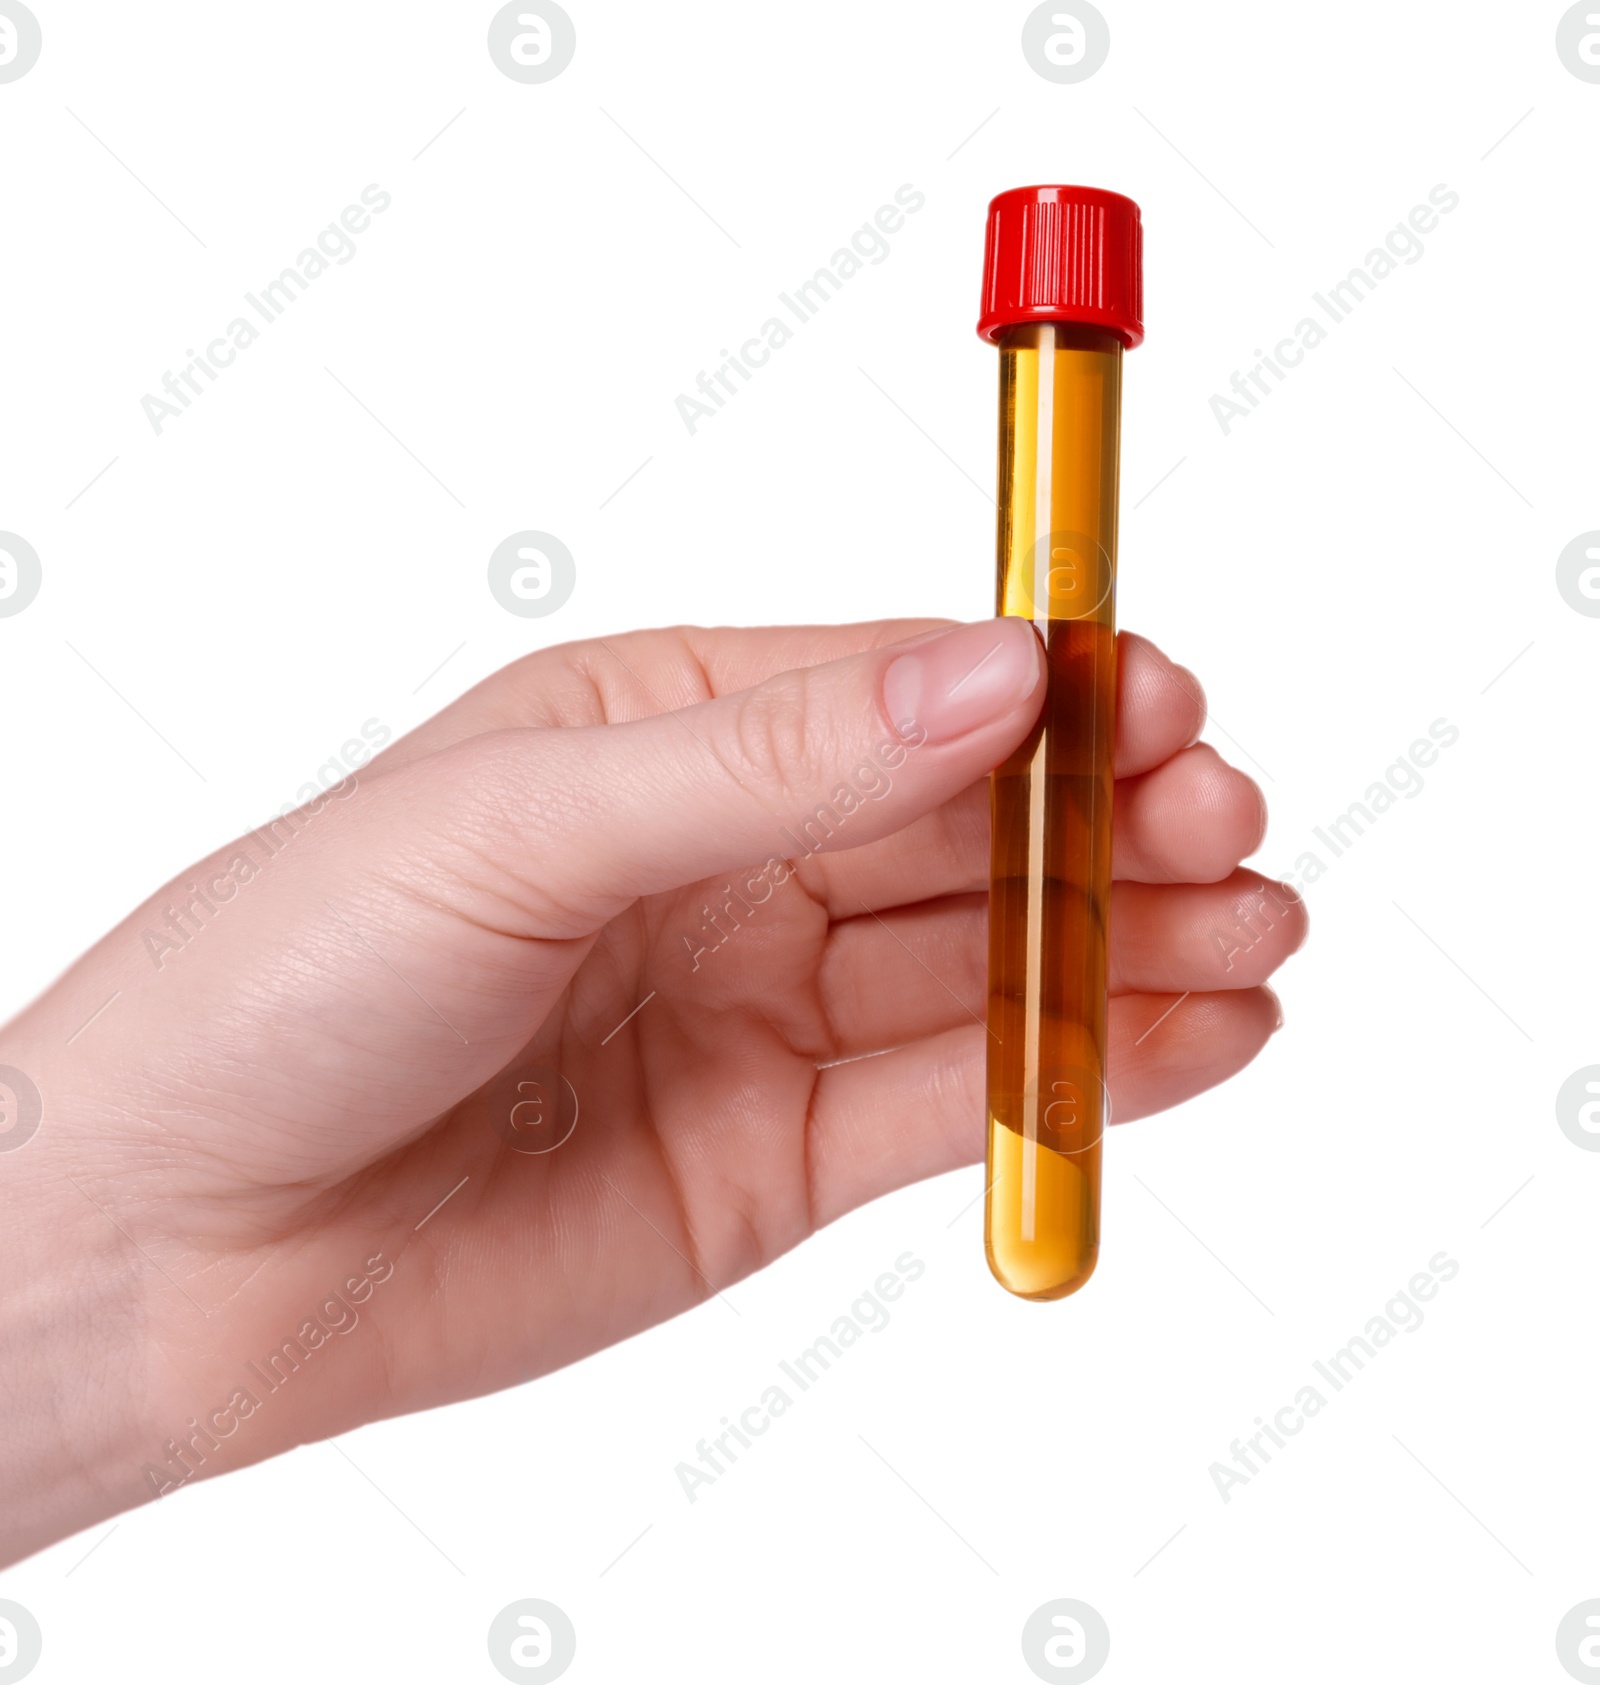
x,y
317,1162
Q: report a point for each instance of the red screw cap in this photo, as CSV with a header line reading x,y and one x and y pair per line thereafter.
x,y
1064,254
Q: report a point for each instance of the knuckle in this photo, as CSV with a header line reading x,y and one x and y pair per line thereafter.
x,y
768,741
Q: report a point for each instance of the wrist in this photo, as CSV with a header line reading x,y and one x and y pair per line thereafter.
x,y
73,1358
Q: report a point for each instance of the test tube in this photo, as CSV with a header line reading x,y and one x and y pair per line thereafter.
x,y
1062,299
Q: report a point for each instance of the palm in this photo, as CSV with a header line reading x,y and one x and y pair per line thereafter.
x,y
681,1152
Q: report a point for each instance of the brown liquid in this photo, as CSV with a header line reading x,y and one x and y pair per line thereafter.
x,y
1050,873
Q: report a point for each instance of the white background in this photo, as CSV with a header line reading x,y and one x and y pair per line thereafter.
x,y
1341,569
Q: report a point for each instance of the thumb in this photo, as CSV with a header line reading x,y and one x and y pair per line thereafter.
x,y
338,1005
823,757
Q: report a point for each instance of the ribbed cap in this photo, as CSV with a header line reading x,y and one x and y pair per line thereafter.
x,y
1064,254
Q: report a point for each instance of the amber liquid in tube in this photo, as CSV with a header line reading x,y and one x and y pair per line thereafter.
x,y
1050,868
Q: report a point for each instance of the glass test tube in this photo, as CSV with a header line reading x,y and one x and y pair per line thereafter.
x,y
1050,875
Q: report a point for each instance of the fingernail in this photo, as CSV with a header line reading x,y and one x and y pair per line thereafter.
x,y
1277,1023
962,679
